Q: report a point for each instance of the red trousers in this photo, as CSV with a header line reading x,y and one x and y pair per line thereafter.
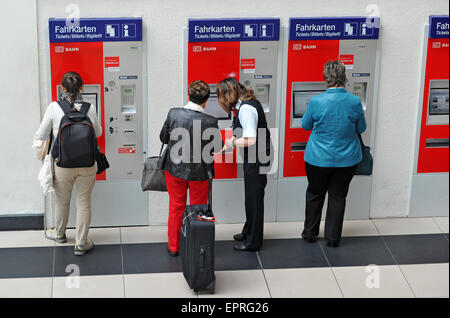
x,y
177,188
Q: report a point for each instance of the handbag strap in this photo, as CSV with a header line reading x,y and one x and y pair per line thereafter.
x,y
50,142
162,146
361,141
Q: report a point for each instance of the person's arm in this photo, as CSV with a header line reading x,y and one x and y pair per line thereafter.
x,y
361,124
248,116
92,114
164,135
43,133
307,120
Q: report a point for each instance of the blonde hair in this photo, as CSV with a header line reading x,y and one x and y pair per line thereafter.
x,y
229,91
334,73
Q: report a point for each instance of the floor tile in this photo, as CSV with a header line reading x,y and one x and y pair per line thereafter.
x,y
229,259
24,239
26,287
149,258
26,262
282,230
107,286
403,226
355,228
372,282
144,234
291,253
428,280
102,260
99,236
358,251
239,284
442,222
302,283
158,285
225,232
418,249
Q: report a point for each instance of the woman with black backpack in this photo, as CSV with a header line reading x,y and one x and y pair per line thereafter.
x,y
74,158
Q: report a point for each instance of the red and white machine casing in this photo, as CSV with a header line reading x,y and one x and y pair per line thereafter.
x,y
430,184
108,54
255,61
307,52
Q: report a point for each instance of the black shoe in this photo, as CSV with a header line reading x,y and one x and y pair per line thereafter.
x,y
173,254
241,247
310,239
333,243
240,237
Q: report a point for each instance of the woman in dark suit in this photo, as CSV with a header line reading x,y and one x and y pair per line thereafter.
x,y
332,153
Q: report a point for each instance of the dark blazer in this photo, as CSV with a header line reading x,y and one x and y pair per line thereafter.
x,y
185,158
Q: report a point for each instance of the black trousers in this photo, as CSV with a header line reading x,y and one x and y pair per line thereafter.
x,y
336,182
255,185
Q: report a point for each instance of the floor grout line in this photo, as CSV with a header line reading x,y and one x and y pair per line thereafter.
x,y
121,258
264,274
396,263
331,268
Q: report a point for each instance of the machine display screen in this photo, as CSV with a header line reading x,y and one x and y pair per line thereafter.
x,y
212,108
90,98
301,101
439,101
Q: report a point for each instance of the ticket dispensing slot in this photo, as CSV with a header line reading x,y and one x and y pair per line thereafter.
x,y
262,95
438,103
298,146
360,89
436,143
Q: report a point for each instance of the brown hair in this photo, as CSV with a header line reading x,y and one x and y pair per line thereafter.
x,y
229,91
72,82
334,73
198,92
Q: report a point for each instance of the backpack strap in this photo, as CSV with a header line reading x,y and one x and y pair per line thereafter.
x,y
65,106
85,108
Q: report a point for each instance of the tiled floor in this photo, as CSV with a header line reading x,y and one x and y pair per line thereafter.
x,y
377,258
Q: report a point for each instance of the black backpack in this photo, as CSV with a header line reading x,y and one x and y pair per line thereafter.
x,y
76,143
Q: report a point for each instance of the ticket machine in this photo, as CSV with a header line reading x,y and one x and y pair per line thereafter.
x,y
429,188
108,54
248,50
313,42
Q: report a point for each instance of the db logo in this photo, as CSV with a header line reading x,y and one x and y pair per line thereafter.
x,y
297,47
197,48
59,49
436,45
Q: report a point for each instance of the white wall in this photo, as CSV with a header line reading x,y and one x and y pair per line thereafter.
x,y
19,90
402,29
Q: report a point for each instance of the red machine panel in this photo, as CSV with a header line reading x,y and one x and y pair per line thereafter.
x,y
305,64
434,159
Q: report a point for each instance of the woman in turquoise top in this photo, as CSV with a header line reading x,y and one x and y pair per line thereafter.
x,y
335,117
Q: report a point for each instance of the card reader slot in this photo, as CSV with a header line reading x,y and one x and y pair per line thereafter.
x,y
436,143
298,146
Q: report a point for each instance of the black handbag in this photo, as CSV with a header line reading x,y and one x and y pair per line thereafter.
x,y
153,175
102,162
365,167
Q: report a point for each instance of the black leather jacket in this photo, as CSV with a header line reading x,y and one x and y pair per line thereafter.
x,y
185,158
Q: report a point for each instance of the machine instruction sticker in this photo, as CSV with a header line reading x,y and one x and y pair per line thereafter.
x,y
348,60
223,30
112,63
341,28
